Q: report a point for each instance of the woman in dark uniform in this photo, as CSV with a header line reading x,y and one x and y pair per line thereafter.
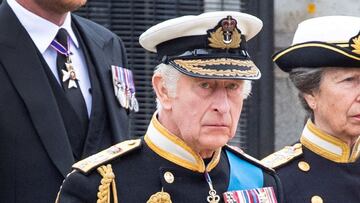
x,y
324,65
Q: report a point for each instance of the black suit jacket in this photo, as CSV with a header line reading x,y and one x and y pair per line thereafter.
x,y
35,153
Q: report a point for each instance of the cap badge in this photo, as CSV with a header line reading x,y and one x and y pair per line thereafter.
x,y
225,35
355,43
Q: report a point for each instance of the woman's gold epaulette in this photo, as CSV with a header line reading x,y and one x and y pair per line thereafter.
x,y
106,155
247,157
283,156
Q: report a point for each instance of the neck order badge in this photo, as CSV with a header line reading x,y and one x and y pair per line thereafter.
x,y
62,40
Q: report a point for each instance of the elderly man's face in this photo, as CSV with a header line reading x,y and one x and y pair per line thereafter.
x,y
205,112
336,105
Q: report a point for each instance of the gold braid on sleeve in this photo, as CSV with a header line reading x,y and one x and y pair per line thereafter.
x,y
58,194
108,177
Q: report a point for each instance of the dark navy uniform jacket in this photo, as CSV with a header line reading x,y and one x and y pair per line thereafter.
x,y
319,169
162,162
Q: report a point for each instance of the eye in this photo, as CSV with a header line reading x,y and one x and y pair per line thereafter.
x,y
205,85
232,86
349,79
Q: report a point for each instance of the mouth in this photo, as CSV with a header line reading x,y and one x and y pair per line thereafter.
x,y
219,125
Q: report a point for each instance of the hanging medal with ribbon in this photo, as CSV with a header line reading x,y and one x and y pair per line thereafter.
x,y
127,88
121,94
212,197
69,73
132,101
124,88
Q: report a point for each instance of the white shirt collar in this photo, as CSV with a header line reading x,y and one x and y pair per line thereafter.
x,y
41,31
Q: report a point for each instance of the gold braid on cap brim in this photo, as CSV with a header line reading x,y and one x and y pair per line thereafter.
x,y
196,66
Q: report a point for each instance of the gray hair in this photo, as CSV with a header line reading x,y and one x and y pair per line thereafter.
x,y
307,81
171,76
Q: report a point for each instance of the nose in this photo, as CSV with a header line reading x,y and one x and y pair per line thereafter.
x,y
358,98
221,101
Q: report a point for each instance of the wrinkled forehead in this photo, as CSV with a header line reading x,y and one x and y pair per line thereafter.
x,y
341,71
337,75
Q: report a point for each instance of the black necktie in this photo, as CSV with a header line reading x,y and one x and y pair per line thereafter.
x,y
73,94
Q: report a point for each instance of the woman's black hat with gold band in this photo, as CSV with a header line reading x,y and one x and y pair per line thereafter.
x,y
330,41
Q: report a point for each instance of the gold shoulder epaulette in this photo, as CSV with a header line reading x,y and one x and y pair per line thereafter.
x,y
282,156
106,155
252,159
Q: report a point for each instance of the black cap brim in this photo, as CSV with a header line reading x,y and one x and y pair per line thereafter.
x,y
316,54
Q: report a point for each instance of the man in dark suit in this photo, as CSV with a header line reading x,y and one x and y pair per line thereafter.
x,y
323,63
51,117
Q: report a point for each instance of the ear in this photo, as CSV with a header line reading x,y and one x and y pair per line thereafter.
x,y
311,100
161,91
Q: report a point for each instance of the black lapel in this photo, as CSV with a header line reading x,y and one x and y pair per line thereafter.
x,y
97,118
97,48
20,60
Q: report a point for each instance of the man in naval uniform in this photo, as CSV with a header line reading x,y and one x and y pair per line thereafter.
x,y
200,87
324,65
